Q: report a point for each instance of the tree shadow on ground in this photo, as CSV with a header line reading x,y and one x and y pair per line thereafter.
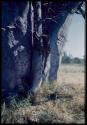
x,y
52,97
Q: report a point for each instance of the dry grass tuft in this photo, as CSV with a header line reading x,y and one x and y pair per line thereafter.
x,y
61,102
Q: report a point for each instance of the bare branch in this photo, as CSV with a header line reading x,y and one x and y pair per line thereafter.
x,y
82,12
77,12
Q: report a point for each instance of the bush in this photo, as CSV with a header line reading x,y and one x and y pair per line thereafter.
x,y
68,59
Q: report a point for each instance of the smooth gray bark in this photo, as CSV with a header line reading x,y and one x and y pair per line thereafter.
x,y
37,57
58,36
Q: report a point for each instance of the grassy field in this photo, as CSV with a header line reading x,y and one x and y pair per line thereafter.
x,y
61,102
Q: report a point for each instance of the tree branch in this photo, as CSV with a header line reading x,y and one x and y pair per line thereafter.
x,y
82,12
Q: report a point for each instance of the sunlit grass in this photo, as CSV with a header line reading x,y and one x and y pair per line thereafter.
x,y
68,107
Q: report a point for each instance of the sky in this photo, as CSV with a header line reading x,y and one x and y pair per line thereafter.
x,y
76,37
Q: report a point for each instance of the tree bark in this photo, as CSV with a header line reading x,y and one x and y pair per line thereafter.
x,y
37,57
33,38
58,36
15,48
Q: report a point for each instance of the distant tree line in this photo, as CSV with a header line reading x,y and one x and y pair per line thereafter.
x,y
69,59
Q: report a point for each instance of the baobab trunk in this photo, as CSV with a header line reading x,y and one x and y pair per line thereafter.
x,y
57,34
37,57
33,37
15,47
57,37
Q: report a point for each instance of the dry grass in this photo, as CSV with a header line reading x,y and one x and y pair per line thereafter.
x,y
67,107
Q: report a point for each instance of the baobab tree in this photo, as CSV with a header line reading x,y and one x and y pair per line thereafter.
x,y
33,37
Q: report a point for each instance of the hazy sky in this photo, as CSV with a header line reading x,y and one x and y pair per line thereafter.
x,y
76,37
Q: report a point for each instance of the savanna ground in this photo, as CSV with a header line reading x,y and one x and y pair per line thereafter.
x,y
61,102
